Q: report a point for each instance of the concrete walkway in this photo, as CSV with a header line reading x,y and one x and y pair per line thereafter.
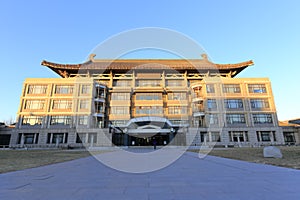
x,y
187,178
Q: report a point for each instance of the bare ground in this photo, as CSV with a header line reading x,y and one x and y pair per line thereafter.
x,y
291,155
13,160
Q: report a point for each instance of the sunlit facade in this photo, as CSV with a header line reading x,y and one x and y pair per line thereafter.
x,y
134,102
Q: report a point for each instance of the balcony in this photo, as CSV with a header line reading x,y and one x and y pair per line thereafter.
x,y
196,98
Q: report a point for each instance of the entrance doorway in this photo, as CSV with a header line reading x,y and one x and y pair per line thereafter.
x,y
161,140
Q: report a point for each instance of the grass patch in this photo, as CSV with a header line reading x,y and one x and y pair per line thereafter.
x,y
13,160
291,155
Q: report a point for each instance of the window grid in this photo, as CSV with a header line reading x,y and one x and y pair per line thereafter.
x,y
174,83
149,110
235,119
60,120
213,119
37,89
233,103
120,110
176,110
177,96
35,104
120,96
64,89
238,136
262,118
122,83
62,104
210,88
83,120
211,103
231,88
259,103
83,104
148,96
32,120
215,137
148,83
85,89
257,88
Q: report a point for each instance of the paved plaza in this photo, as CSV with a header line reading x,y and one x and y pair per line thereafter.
x,y
189,177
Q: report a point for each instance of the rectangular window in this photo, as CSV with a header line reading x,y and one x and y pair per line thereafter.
x,y
289,137
231,88
32,120
213,119
211,103
174,83
148,96
120,110
64,89
83,120
120,96
85,89
259,103
28,138
62,104
122,83
148,83
35,104
149,110
262,118
60,120
57,138
176,110
233,103
37,89
84,104
238,136
235,119
257,88
265,136
177,96
210,88
215,137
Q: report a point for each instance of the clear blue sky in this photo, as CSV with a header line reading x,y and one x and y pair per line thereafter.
x,y
268,32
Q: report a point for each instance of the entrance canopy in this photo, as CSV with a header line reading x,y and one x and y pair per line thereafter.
x,y
148,126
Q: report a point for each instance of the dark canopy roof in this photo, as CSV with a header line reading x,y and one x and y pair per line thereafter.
x,y
96,65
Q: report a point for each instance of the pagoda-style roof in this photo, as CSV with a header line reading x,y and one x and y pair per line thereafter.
x,y
101,65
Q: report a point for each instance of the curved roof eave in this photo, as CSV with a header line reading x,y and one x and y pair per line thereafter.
x,y
128,64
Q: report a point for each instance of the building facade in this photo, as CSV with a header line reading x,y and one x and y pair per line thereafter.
x,y
135,102
291,131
